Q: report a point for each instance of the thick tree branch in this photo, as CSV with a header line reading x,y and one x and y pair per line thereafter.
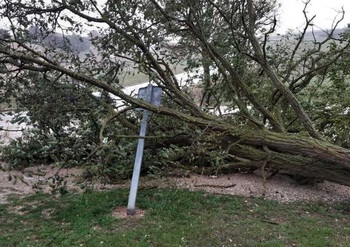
x,y
290,97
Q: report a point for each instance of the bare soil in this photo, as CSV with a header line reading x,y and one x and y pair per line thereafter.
x,y
120,213
280,187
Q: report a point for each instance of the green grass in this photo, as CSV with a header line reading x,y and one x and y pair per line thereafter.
x,y
173,218
131,79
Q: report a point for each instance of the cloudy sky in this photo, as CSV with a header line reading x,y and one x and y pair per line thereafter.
x,y
325,11
291,15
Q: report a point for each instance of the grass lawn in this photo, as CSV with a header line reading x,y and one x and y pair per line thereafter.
x,y
131,79
173,218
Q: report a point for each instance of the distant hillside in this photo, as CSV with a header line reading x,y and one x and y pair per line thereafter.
x,y
75,43
82,45
79,43
319,35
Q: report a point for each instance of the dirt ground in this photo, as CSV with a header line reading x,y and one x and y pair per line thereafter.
x,y
280,187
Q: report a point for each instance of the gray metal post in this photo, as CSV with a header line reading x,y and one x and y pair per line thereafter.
x,y
138,160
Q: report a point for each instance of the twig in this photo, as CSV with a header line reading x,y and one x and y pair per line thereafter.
x,y
270,222
215,185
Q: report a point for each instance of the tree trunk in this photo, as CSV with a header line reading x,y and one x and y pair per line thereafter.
x,y
257,149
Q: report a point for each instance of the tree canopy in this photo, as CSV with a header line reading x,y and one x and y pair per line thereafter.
x,y
252,99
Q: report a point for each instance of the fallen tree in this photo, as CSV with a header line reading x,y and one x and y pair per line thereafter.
x,y
282,98
247,150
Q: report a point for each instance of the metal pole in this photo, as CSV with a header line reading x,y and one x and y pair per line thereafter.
x,y
138,161
137,166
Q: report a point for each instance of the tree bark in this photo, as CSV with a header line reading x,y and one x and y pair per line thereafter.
x,y
260,149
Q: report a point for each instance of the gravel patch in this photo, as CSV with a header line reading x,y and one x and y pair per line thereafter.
x,y
280,187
